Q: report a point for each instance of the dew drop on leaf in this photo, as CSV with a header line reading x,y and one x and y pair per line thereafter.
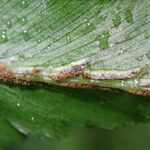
x,y
21,57
23,20
8,24
146,35
26,35
55,39
24,4
122,83
89,27
116,21
3,37
18,104
103,39
148,55
129,16
38,28
38,41
68,39
32,118
140,58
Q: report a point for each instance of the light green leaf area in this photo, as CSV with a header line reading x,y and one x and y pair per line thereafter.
x,y
103,43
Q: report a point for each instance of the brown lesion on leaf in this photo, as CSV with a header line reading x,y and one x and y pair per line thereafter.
x,y
113,74
25,76
8,76
70,71
81,86
144,88
64,74
76,85
36,71
140,92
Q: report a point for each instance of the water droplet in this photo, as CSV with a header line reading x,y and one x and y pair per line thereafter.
x,y
122,83
20,128
3,37
128,37
24,4
32,118
8,24
129,16
18,104
38,41
21,57
140,58
48,3
23,20
92,81
146,35
103,39
26,35
82,67
48,135
86,20
136,81
121,51
148,55
38,28
143,21
88,24
116,21
88,28
55,39
68,38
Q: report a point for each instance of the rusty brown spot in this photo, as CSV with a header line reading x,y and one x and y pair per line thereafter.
x,y
36,71
8,76
76,85
81,86
71,72
140,92
64,75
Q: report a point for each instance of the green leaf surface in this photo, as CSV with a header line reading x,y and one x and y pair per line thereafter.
x,y
104,42
52,111
78,43
8,135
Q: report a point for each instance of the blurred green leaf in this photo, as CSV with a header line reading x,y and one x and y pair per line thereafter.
x,y
52,111
8,135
